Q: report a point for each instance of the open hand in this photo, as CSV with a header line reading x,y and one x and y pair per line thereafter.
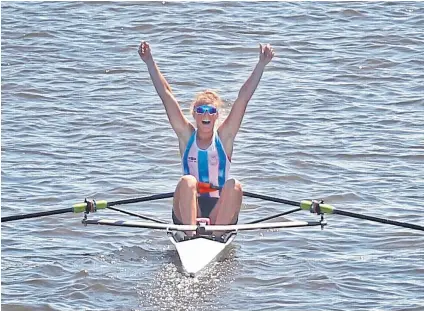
x,y
144,51
266,53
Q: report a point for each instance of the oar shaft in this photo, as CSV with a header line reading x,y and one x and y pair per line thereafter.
x,y
268,198
81,207
142,199
39,214
207,187
380,220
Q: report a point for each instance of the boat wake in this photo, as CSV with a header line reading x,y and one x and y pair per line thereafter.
x,y
170,289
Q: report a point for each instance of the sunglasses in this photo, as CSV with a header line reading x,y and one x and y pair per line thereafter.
x,y
205,108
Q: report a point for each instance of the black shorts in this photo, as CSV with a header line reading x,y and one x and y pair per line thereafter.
x,y
206,205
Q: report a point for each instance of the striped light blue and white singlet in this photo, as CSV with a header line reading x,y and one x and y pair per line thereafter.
x,y
211,165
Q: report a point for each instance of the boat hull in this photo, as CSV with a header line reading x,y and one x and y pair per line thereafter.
x,y
197,252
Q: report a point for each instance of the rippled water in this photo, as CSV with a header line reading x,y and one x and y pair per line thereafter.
x,y
338,115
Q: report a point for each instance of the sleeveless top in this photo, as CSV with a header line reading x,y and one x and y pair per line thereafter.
x,y
211,165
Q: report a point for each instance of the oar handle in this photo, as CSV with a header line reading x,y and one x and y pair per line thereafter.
x,y
203,187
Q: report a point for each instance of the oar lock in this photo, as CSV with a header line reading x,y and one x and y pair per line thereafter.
x,y
91,207
315,207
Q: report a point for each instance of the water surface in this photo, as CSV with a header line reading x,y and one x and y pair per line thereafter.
x,y
338,115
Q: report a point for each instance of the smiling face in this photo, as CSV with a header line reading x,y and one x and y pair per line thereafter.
x,y
205,110
205,116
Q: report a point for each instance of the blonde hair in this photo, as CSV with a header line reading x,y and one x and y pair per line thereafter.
x,y
207,97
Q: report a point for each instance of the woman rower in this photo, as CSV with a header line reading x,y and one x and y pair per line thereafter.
x,y
206,150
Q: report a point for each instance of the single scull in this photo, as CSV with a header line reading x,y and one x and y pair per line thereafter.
x,y
198,251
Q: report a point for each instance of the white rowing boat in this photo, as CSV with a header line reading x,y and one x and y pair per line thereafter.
x,y
199,251
202,249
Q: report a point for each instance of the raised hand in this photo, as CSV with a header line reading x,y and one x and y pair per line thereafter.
x,y
144,51
266,53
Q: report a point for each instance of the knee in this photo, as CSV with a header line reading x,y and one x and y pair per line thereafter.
x,y
234,184
188,181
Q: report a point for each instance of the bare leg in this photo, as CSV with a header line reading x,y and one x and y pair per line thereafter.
x,y
185,200
229,204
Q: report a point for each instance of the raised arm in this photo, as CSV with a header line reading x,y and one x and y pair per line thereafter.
x,y
179,122
229,128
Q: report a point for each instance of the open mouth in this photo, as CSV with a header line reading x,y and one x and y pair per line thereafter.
x,y
206,121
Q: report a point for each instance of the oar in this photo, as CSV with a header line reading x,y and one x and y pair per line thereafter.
x,y
319,208
142,199
82,207
323,208
203,187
